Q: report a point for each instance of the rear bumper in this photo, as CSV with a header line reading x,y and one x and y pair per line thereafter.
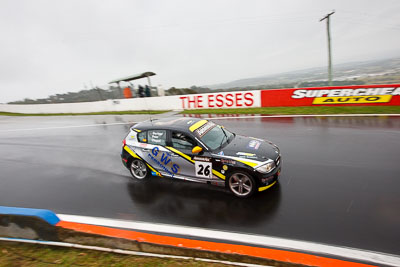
x,y
124,157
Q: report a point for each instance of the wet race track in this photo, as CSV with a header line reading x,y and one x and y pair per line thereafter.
x,y
339,184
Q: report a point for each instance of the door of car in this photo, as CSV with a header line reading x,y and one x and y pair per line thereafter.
x,y
152,148
190,165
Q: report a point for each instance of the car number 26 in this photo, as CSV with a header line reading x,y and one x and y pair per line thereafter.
x,y
203,169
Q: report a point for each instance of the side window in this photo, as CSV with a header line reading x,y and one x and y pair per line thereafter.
x,y
182,141
142,137
157,137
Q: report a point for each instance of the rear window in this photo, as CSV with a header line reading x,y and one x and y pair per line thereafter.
x,y
142,137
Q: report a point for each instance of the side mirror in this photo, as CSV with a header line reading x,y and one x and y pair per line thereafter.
x,y
196,150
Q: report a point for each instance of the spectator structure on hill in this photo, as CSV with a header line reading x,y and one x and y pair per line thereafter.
x,y
134,77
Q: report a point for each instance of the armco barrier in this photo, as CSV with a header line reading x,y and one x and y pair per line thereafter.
x,y
99,233
359,95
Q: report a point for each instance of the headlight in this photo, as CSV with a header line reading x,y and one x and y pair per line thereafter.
x,y
266,168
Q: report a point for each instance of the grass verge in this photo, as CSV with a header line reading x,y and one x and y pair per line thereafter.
x,y
132,112
301,110
19,254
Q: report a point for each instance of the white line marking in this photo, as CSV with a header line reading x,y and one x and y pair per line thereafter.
x,y
350,205
66,127
210,118
274,242
122,251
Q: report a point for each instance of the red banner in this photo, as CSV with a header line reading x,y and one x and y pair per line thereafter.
x,y
358,95
220,100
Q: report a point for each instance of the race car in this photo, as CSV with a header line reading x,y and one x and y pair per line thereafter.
x,y
202,151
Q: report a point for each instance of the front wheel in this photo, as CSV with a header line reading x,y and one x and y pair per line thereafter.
x,y
138,169
241,184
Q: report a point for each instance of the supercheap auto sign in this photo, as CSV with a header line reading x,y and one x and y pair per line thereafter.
x,y
339,95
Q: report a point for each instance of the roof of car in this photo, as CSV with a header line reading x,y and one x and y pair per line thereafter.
x,y
180,123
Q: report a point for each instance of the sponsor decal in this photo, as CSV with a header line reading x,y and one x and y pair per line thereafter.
x,y
205,128
348,96
163,159
254,144
385,94
228,161
201,158
221,153
225,167
157,136
143,145
247,155
352,100
298,94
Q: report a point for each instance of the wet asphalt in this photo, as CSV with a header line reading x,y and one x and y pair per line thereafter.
x,y
340,181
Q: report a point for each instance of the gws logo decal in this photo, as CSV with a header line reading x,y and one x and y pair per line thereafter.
x,y
163,159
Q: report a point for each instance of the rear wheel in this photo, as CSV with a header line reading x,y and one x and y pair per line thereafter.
x,y
139,169
241,184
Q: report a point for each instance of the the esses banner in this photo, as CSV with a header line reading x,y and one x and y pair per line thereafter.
x,y
358,95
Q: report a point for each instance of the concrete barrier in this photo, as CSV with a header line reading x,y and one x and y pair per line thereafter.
x,y
358,95
178,102
28,223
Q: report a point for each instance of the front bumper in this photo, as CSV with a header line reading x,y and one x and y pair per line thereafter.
x,y
267,180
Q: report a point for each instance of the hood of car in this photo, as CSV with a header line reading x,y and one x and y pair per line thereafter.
x,y
250,148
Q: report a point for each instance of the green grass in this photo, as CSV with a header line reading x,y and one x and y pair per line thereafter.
x,y
132,112
19,254
301,110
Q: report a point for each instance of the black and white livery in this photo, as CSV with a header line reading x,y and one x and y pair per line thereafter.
x,y
199,150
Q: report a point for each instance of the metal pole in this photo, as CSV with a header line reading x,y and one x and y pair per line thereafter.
x,y
121,95
327,17
148,80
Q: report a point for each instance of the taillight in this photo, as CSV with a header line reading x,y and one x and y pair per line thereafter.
x,y
124,142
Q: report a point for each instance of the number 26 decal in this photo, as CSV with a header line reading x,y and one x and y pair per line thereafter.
x,y
203,169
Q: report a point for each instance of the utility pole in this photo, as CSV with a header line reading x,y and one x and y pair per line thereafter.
x,y
329,46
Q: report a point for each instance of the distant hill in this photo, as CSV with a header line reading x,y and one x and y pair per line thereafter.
x,y
377,71
370,72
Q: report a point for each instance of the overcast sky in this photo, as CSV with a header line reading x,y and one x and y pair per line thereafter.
x,y
50,46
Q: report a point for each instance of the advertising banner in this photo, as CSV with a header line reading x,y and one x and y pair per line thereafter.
x,y
238,99
358,95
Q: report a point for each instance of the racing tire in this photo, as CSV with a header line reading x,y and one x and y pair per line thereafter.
x,y
241,184
138,169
